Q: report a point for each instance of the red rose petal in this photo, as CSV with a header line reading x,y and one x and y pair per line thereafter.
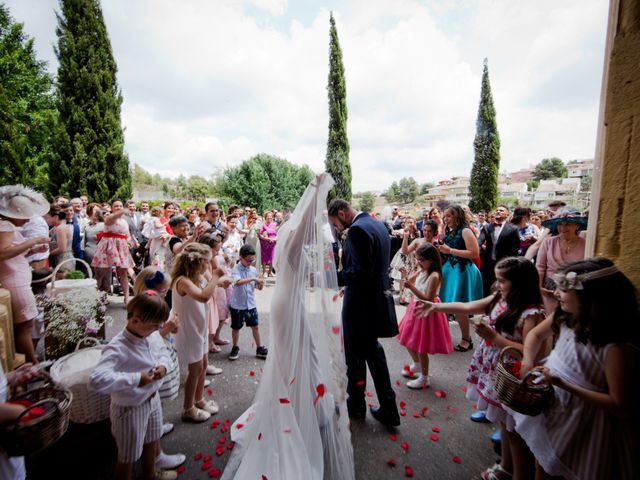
x,y
230,445
252,373
424,411
391,462
464,389
416,415
405,447
393,437
403,413
239,425
398,383
434,437
441,394
361,382
206,466
222,440
284,401
209,391
226,423
180,469
435,429
335,329
264,477
408,471
224,429
456,459
402,405
207,458
369,394
214,473
197,456
219,450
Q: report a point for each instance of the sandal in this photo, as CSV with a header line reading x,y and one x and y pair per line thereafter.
x,y
214,349
195,415
495,473
460,348
208,406
221,341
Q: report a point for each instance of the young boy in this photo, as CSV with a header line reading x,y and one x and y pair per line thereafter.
x,y
243,305
131,370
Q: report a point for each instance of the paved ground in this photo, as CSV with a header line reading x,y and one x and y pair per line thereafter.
x,y
87,452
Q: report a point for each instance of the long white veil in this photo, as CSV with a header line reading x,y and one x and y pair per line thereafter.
x,y
298,425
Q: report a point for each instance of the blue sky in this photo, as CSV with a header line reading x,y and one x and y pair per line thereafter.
x,y
207,84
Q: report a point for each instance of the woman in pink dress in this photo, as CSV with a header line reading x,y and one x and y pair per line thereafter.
x,y
268,238
17,205
113,249
564,247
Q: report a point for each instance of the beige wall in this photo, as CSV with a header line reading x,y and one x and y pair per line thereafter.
x,y
616,205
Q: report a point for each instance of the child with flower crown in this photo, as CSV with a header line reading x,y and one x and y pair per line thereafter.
x,y
191,294
590,430
131,370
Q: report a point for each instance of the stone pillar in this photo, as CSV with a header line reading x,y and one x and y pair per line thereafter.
x,y
614,226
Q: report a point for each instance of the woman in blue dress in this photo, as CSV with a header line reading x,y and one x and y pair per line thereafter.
x,y
461,279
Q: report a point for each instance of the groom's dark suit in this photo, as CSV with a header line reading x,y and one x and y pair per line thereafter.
x,y
368,311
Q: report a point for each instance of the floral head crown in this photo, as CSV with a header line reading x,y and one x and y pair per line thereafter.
x,y
573,281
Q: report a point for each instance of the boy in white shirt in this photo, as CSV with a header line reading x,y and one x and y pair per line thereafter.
x,y
131,370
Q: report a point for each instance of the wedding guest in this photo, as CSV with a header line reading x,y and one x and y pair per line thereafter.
x,y
268,238
38,226
17,205
62,240
252,233
527,231
436,216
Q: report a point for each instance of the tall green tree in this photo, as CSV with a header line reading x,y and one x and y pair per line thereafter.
x,y
264,182
337,159
550,168
367,202
27,108
483,187
89,147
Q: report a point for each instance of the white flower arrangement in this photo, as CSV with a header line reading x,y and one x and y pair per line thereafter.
x,y
71,316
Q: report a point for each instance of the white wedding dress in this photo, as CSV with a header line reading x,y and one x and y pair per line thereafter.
x,y
298,426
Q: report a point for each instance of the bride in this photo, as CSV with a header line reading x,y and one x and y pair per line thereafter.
x,y
298,425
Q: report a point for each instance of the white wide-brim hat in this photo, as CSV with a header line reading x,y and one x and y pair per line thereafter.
x,y
19,202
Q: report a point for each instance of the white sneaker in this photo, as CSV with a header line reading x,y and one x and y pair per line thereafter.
x,y
169,462
213,370
419,383
207,382
210,406
411,371
166,428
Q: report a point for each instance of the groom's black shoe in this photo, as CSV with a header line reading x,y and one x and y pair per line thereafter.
x,y
385,416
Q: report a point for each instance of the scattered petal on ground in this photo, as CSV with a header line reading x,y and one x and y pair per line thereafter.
x,y
219,450
284,401
440,394
424,411
434,437
416,415
230,445
361,382
403,413
369,394
252,373
209,391
207,458
402,404
393,437
398,383
181,469
206,466
405,447
435,429
239,425
221,440
457,459
197,456
214,473
391,462
408,471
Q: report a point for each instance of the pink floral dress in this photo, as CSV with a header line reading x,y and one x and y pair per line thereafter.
x,y
112,249
485,361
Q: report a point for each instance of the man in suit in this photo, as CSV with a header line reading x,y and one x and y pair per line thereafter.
x,y
368,310
497,240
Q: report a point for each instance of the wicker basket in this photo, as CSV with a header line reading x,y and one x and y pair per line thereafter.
x,y
523,396
19,438
88,406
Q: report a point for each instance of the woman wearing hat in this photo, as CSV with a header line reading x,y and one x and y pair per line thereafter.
x,y
565,246
17,205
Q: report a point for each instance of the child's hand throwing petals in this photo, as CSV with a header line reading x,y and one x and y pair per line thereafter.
x,y
146,378
224,281
425,307
485,332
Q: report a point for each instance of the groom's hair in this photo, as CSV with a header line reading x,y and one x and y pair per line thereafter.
x,y
336,205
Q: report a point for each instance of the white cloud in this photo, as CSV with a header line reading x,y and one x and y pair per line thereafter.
x,y
208,84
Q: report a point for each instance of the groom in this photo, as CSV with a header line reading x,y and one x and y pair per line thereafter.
x,y
368,311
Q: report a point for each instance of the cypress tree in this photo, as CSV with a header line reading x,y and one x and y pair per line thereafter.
x,y
483,186
27,108
337,159
89,139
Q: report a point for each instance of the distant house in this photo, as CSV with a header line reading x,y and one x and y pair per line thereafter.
x,y
580,168
522,175
453,190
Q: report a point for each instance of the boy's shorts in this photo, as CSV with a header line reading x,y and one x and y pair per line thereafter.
x,y
243,317
133,427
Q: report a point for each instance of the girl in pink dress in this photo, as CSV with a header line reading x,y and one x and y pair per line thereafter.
x,y
268,237
423,335
113,249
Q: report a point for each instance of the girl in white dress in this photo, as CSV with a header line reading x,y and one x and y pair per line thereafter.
x,y
589,432
191,293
